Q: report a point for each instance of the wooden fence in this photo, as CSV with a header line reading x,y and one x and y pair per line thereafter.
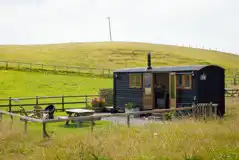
x,y
62,101
33,101
232,79
230,92
15,65
65,100
198,111
232,75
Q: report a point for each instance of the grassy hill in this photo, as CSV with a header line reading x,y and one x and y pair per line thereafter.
x,y
113,55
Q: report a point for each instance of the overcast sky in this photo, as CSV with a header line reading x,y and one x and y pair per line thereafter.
x,y
208,23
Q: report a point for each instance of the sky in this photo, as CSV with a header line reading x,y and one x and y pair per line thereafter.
x,y
199,23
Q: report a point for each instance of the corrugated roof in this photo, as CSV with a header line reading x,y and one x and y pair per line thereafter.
x,y
164,69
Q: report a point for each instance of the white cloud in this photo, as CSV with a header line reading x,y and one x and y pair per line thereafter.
x,y
199,22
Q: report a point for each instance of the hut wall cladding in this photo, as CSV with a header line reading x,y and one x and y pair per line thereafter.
x,y
187,95
126,94
212,90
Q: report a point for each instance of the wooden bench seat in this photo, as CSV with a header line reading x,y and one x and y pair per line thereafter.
x,y
62,117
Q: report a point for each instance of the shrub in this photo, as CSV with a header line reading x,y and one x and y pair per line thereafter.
x,y
168,115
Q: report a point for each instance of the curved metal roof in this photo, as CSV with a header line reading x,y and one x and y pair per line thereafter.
x,y
164,69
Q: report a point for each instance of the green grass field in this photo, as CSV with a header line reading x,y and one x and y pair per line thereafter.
x,y
17,84
112,55
21,84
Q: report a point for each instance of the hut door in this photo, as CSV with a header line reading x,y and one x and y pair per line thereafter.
x,y
147,91
172,90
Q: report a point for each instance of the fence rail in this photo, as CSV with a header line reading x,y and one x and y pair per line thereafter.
x,y
16,65
231,92
62,100
65,100
232,75
198,111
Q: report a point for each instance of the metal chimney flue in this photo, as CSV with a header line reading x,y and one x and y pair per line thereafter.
x,y
149,61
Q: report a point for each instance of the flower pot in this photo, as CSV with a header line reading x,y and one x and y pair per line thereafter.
x,y
98,108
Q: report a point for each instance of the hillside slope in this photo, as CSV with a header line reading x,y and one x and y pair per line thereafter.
x,y
114,55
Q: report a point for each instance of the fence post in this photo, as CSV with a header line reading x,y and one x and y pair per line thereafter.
x,y
6,65
63,102
108,73
128,120
36,100
42,66
44,133
86,101
25,126
210,109
30,66
11,121
103,72
194,111
205,112
234,80
0,117
215,112
92,124
10,104
199,112
18,65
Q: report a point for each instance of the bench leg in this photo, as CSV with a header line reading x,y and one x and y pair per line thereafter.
x,y
78,124
67,122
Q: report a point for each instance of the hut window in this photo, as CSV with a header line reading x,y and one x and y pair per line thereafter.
x,y
184,81
179,81
187,81
135,80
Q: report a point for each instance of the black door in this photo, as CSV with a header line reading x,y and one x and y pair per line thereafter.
x,y
211,87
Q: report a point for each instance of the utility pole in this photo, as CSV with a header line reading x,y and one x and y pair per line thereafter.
x,y
109,28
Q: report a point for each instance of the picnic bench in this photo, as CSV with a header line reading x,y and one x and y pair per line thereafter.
x,y
79,113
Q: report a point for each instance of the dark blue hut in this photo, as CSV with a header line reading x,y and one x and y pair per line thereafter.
x,y
169,87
